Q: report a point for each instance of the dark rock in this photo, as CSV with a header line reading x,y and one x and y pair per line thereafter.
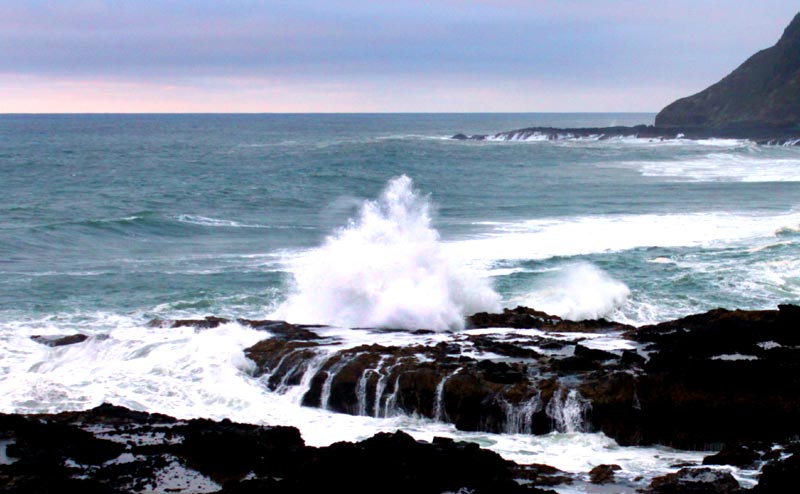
x,y
500,372
703,383
603,474
207,323
55,340
526,318
631,358
57,452
763,91
283,330
593,353
226,450
695,481
515,350
543,475
781,475
738,455
708,379
575,364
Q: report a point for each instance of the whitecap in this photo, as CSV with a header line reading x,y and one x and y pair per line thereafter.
x,y
386,268
578,291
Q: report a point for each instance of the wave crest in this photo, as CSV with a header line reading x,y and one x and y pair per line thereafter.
x,y
386,269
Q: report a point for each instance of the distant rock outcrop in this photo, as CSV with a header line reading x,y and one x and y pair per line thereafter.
x,y
763,91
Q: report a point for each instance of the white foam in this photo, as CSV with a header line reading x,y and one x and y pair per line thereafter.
x,y
723,167
574,236
386,269
734,356
194,219
578,291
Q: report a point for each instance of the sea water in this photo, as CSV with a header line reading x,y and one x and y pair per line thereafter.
x,y
110,221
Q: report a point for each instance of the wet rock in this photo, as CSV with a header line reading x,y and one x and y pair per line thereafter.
x,y
283,330
514,350
781,475
142,452
543,475
631,358
284,361
738,455
593,353
603,474
708,378
695,481
527,318
207,323
55,340
226,450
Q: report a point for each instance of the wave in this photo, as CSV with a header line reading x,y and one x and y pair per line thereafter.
x,y
721,167
194,219
567,137
103,223
149,218
386,268
583,235
576,291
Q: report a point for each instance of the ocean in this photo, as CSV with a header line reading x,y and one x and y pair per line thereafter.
x,y
361,220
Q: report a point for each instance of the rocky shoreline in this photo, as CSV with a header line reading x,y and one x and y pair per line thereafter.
x,y
726,381
763,134
111,449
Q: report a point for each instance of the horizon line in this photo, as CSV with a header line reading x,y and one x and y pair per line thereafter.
x,y
340,113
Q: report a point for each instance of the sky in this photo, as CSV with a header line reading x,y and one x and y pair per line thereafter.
x,y
168,56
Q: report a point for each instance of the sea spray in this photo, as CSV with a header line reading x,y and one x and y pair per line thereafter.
x,y
577,291
386,268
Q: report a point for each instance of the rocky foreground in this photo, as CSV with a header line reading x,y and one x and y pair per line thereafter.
x,y
726,381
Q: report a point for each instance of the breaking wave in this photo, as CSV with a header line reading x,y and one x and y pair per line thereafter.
x,y
577,291
386,268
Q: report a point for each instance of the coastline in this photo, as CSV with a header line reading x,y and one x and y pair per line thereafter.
x,y
723,381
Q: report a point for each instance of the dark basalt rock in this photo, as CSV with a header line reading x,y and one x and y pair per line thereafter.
x,y
742,455
140,451
695,481
715,377
763,91
603,474
55,340
707,379
208,322
780,475
593,353
280,329
526,318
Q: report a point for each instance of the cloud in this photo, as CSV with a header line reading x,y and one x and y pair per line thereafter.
x,y
357,45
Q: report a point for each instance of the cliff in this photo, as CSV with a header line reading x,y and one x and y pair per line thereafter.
x,y
763,91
